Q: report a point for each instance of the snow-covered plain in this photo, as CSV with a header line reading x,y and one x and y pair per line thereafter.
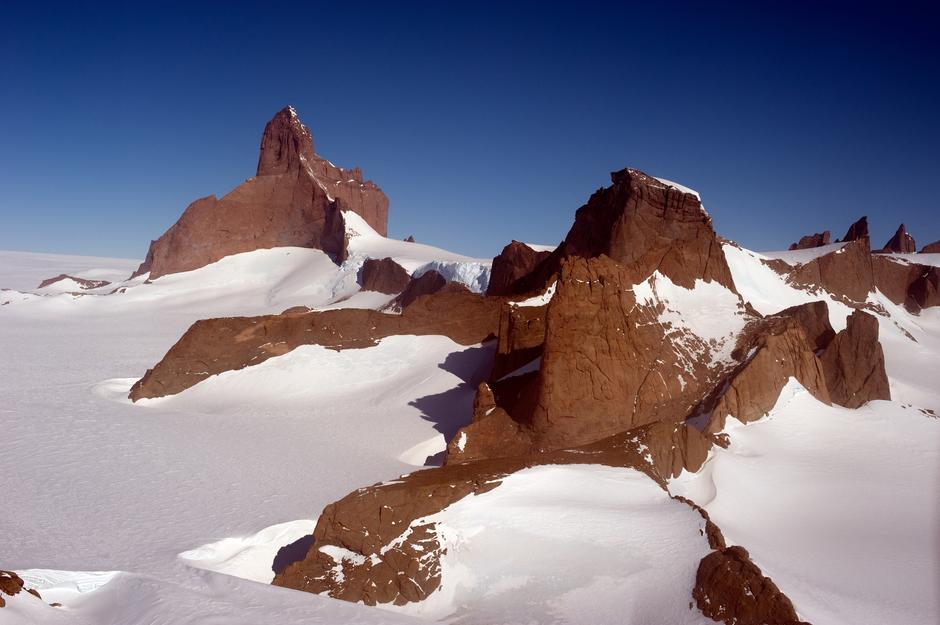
x,y
171,510
94,483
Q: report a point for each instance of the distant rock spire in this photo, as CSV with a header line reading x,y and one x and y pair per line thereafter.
x,y
858,230
901,242
284,143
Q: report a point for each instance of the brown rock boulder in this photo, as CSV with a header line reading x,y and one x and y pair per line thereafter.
x,y
516,261
384,276
296,199
858,230
730,588
901,242
811,240
931,248
854,363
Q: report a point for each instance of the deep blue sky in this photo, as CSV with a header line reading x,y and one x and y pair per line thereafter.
x,y
482,123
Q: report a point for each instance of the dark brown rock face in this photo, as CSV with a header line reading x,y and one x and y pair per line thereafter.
x,y
729,588
646,226
853,272
384,276
82,282
931,248
772,350
600,362
901,242
427,283
846,272
296,199
811,240
858,230
212,346
386,563
516,261
854,363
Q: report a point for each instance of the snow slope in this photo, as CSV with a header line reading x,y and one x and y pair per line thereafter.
x,y
837,506
259,282
800,257
768,292
568,544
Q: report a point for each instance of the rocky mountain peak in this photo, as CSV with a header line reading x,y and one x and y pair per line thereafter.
x,y
858,230
902,242
284,142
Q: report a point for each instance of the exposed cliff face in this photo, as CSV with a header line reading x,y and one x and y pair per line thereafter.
x,y
811,240
516,261
603,356
854,363
931,248
296,199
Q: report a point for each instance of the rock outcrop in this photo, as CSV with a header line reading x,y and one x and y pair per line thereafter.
x,y
11,585
854,363
83,283
931,248
731,589
368,547
901,242
384,276
846,272
853,272
645,225
858,230
516,261
426,284
595,360
811,240
212,346
846,368
295,199
771,351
